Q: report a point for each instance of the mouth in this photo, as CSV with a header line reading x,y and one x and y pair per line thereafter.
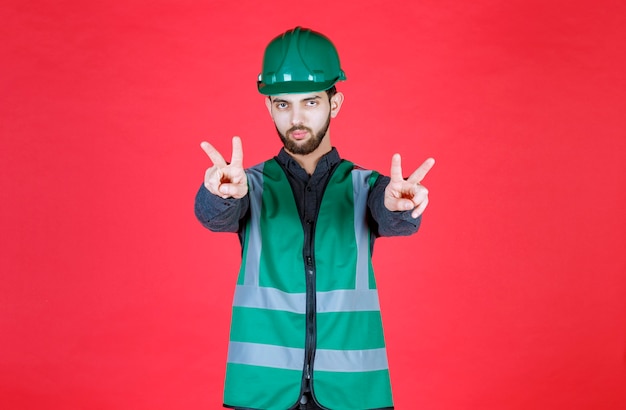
x,y
299,134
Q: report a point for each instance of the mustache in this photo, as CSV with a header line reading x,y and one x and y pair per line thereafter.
x,y
299,128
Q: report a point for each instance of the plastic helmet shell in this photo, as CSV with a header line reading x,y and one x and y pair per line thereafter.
x,y
299,61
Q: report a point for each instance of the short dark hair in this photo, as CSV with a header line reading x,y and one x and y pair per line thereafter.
x,y
331,91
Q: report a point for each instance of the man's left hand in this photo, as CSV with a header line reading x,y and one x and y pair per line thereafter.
x,y
406,194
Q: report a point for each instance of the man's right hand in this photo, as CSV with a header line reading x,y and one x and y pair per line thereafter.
x,y
223,179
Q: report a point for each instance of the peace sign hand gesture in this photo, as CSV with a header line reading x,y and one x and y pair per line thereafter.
x,y
223,179
404,195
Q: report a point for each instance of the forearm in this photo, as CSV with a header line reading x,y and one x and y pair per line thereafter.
x,y
218,214
389,223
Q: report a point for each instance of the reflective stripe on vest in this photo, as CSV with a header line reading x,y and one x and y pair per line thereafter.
x,y
342,300
257,354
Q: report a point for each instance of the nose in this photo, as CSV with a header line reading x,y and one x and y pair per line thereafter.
x,y
297,116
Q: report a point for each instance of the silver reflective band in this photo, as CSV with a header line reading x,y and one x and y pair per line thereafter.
x,y
257,354
269,298
347,301
253,256
327,302
351,360
360,187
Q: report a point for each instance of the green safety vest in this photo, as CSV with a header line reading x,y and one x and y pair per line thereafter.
x,y
266,354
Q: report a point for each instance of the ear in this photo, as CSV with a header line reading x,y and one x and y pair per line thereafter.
x,y
335,104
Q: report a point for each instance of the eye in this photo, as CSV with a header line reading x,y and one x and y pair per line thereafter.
x,y
311,103
281,105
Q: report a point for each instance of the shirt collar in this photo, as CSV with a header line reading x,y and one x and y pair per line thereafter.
x,y
324,165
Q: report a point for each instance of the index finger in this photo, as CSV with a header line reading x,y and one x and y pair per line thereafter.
x,y
214,154
237,155
420,173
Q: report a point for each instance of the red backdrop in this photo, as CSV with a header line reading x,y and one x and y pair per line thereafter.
x,y
512,295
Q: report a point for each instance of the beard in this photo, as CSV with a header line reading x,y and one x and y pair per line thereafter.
x,y
307,147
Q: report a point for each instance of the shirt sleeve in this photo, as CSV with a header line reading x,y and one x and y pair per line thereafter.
x,y
219,214
385,222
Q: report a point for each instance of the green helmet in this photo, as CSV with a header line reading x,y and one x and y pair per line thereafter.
x,y
299,61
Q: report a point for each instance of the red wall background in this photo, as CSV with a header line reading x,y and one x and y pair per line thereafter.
x,y
512,295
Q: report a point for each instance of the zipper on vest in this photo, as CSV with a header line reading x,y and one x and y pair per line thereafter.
x,y
310,322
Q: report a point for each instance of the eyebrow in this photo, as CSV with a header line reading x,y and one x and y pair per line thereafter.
x,y
315,97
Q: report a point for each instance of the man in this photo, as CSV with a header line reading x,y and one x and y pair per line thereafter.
x,y
306,328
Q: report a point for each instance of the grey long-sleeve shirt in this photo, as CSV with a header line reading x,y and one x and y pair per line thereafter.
x,y
228,215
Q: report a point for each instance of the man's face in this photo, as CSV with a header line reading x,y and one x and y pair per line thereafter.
x,y
302,120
